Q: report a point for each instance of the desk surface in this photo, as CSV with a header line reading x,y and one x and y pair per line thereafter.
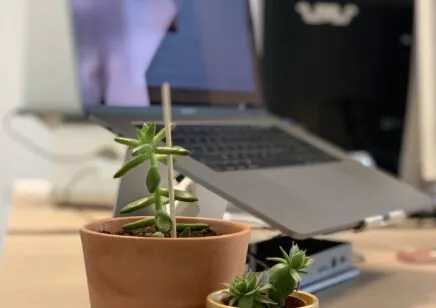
x,y
42,266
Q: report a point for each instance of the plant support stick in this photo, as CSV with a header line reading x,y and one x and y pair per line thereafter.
x,y
166,97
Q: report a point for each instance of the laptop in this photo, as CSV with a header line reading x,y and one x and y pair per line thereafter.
x,y
268,167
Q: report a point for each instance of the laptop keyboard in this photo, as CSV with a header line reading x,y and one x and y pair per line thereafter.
x,y
237,147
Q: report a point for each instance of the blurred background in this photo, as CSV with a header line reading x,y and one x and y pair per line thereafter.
x,y
358,73
348,83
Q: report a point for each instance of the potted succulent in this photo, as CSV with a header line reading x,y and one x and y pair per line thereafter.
x,y
162,261
276,288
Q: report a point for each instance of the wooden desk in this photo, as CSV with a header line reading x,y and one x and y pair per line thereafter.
x,y
44,269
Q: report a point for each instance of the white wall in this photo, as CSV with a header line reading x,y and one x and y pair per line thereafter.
x,y
15,161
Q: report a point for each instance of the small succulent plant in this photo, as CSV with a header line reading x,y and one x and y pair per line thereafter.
x,y
249,291
285,276
146,147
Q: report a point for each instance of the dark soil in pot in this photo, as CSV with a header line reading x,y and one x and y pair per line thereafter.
x,y
149,231
293,302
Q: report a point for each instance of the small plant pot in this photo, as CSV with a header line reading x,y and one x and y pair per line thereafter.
x,y
139,272
297,299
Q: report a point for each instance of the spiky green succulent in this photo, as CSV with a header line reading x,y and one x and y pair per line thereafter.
x,y
247,291
285,276
146,147
251,291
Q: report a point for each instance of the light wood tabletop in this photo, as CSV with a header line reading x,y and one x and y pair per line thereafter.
x,y
42,264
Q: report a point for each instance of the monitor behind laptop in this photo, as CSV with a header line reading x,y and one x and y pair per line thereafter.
x,y
125,50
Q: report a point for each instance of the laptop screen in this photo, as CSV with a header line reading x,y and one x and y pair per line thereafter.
x,y
126,49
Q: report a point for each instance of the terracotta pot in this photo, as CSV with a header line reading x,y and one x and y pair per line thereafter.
x,y
136,272
310,301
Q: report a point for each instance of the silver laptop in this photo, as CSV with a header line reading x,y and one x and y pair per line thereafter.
x,y
267,166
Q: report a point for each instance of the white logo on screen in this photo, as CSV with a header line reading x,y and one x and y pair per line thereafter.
x,y
327,13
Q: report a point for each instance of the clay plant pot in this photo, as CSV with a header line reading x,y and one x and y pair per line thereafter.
x,y
139,272
298,299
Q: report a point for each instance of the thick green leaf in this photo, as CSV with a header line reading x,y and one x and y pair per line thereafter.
x,y
150,133
145,149
180,195
127,141
252,292
153,179
144,127
298,261
308,262
137,205
265,300
266,287
140,134
285,255
163,221
175,150
146,222
278,260
197,226
259,304
158,234
252,282
246,302
162,158
294,250
161,135
164,200
130,165
186,233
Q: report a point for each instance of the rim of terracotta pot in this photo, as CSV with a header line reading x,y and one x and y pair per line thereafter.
x,y
244,228
211,299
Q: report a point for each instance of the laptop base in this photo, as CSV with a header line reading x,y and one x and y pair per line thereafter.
x,y
333,260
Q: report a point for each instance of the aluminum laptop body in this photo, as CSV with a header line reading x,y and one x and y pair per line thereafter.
x,y
301,199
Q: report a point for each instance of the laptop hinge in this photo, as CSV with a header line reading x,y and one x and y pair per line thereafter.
x,y
380,221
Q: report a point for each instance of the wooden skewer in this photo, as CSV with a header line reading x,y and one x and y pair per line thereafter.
x,y
166,99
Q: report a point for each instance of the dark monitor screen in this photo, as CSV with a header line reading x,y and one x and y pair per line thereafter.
x,y
126,49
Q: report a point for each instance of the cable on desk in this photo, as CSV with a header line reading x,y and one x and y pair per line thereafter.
x,y
33,147
75,179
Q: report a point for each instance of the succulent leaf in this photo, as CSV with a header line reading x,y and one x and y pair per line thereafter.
x,y
142,223
246,302
127,141
247,291
161,134
179,195
129,165
145,149
158,234
153,179
163,221
140,134
175,150
137,205
163,158
186,232
149,133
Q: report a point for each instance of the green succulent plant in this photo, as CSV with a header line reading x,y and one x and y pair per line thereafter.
x,y
285,275
249,291
147,147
